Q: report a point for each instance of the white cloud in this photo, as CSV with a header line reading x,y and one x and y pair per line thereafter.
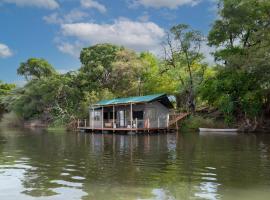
x,y
49,4
64,71
171,4
5,51
72,16
93,4
69,48
141,36
207,52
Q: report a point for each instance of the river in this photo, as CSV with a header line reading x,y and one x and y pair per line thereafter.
x,y
64,166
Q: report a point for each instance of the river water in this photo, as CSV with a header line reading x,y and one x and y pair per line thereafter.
x,y
64,166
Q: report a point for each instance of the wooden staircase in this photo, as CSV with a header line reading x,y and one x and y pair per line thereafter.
x,y
176,117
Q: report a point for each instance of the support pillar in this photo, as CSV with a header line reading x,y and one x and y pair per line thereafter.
x,y
113,117
93,119
131,116
102,118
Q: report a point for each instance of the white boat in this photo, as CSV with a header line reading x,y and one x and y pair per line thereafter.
x,y
218,130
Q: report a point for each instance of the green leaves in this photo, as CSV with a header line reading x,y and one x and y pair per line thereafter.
x,y
183,62
5,89
241,86
35,68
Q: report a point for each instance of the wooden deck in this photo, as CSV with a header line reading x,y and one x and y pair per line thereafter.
x,y
172,125
123,129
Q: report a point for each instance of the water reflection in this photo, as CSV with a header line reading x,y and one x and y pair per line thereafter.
x,y
104,166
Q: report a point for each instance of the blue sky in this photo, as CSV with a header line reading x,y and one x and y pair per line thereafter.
x,y
56,30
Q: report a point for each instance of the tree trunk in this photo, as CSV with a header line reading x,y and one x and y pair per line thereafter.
x,y
191,101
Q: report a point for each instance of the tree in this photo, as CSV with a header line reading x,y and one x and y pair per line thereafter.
x,y
182,52
50,99
97,63
152,79
116,71
5,89
35,68
242,37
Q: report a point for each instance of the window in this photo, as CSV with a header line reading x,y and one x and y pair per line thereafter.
x,y
97,115
108,115
138,115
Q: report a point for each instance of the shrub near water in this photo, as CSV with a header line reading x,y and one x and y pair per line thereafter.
x,y
11,120
195,122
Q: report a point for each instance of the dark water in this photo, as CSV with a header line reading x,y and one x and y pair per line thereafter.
x,y
65,166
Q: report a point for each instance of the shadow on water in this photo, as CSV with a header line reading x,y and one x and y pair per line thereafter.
x,y
59,165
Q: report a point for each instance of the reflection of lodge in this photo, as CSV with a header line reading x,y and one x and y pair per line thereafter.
x,y
142,113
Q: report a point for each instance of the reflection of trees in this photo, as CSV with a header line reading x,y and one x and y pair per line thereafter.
x,y
106,166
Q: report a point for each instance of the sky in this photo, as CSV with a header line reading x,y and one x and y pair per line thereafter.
x,y
56,30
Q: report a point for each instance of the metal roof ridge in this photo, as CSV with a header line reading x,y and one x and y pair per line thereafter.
x,y
114,101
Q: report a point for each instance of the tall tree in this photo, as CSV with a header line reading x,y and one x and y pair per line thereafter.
x,y
97,64
182,51
242,37
35,68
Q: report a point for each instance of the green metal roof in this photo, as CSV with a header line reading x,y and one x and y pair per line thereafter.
x,y
137,99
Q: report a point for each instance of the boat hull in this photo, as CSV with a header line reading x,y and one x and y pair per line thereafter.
x,y
217,130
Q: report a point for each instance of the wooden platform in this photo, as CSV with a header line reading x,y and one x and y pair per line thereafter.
x,y
124,129
172,125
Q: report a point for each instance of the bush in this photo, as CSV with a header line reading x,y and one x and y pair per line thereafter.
x,y
11,120
195,122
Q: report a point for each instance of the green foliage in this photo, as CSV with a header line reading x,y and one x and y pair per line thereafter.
x,y
6,88
195,122
4,91
97,65
35,68
236,93
120,71
11,119
184,64
51,98
241,86
152,79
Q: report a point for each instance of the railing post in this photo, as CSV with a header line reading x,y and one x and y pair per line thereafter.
x,y
78,123
136,122
102,117
131,116
85,123
93,119
158,122
113,117
168,118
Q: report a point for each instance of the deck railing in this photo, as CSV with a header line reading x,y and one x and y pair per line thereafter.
x,y
135,124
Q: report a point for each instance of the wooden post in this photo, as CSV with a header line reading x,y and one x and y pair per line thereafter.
x,y
168,118
85,123
102,117
78,123
93,119
89,121
131,117
113,117
158,122
136,124
148,124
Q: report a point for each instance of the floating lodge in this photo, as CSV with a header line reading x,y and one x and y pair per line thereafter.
x,y
151,113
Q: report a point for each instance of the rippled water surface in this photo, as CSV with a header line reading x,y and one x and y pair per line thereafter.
x,y
65,166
